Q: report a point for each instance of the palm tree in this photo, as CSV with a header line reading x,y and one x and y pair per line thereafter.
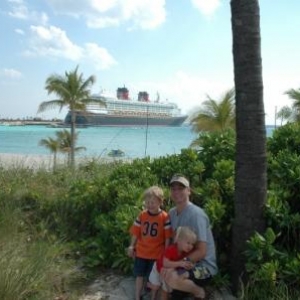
x,y
295,95
64,140
215,115
53,146
72,91
285,113
251,166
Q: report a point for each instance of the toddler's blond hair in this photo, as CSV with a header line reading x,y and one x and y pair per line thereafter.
x,y
184,232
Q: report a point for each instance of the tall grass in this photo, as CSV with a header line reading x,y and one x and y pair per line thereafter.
x,y
30,268
33,264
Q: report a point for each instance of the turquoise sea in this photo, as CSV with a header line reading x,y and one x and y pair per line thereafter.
x,y
134,141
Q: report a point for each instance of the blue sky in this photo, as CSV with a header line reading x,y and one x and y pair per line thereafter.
x,y
181,49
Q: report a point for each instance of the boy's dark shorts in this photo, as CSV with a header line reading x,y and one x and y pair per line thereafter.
x,y
142,266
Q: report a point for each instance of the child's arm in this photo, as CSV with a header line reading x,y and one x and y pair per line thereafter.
x,y
131,248
176,264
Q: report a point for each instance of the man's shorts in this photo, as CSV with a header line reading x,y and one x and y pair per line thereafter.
x,y
142,267
200,275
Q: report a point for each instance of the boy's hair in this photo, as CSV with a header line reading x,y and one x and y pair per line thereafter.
x,y
154,191
184,232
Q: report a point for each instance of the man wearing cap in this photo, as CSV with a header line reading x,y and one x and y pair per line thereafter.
x,y
185,213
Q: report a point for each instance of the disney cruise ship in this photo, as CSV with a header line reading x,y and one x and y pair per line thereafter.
x,y
123,111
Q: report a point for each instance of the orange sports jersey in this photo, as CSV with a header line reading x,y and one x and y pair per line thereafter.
x,y
151,232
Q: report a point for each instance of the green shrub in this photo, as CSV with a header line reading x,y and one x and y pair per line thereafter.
x,y
213,147
285,137
273,272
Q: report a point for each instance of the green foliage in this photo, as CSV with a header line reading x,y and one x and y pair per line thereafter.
x,y
272,258
268,267
92,209
285,137
186,163
215,115
214,147
283,205
217,200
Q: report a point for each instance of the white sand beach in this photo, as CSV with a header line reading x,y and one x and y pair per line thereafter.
x,y
38,161
26,160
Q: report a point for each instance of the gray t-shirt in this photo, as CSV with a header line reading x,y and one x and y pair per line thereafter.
x,y
194,217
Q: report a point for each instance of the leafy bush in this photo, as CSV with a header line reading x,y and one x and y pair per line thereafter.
x,y
187,163
271,270
285,137
213,147
272,259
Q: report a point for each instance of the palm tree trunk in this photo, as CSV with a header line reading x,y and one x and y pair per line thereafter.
x,y
250,169
73,127
54,161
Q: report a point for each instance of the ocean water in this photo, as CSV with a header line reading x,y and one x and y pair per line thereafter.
x,y
136,142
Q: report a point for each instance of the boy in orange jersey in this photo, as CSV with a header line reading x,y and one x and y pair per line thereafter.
x,y
150,234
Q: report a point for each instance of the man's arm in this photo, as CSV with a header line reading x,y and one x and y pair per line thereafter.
x,y
199,253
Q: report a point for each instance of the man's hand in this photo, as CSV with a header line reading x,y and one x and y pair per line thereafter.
x,y
186,264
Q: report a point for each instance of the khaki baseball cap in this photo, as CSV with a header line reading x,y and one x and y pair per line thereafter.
x,y
180,179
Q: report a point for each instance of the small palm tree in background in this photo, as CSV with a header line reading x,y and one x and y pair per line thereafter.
x,y
215,115
73,92
286,113
295,96
54,147
65,141
62,144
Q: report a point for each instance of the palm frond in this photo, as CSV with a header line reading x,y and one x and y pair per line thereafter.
x,y
46,105
215,115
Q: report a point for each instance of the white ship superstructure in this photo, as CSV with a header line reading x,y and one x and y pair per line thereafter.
x,y
124,111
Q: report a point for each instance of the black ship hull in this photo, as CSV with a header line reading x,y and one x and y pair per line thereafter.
x,y
89,119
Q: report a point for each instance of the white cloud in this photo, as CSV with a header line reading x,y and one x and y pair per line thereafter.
x,y
207,7
102,22
275,87
188,91
145,14
16,1
103,5
99,56
52,41
19,10
11,73
19,31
